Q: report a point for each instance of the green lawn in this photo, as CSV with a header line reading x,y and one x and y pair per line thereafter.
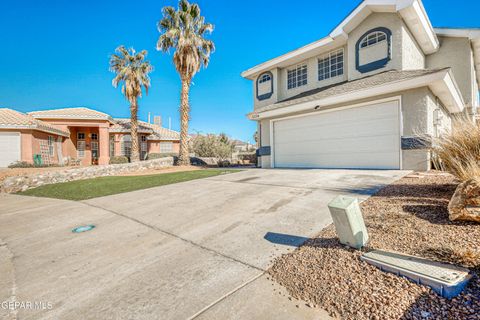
x,y
104,186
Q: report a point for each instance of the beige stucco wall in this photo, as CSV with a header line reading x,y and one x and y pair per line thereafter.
x,y
281,91
457,54
418,110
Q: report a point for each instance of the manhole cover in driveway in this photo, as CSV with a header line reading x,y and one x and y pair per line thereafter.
x,y
83,228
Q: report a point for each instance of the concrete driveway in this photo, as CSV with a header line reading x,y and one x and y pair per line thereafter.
x,y
197,249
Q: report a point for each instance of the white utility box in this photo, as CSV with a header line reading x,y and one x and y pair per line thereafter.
x,y
348,220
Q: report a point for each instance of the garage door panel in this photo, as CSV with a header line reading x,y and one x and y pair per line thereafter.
x,y
363,137
10,146
346,145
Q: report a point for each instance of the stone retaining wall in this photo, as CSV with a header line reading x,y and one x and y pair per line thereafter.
x,y
22,183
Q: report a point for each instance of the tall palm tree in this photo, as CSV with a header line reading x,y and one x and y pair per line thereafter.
x,y
132,71
184,31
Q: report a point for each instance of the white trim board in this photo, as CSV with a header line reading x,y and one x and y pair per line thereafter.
x,y
412,12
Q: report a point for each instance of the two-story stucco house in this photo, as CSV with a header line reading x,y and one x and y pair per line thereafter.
x,y
368,94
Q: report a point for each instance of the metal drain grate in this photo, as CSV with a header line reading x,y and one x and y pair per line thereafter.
x,y
83,228
445,279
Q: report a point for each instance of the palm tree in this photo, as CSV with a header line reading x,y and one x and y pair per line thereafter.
x,y
132,71
184,30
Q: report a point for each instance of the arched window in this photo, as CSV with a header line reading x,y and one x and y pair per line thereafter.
x,y
264,86
264,78
373,50
373,38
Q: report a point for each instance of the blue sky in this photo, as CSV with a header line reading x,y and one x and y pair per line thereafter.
x,y
54,53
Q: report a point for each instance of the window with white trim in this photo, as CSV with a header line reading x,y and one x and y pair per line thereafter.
x,y
373,38
126,145
143,147
94,136
80,148
80,135
166,147
51,149
297,77
331,65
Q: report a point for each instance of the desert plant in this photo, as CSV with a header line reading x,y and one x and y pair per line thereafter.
x,y
118,160
211,145
152,156
20,164
458,151
184,30
132,71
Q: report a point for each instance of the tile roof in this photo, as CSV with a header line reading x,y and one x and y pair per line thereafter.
x,y
71,113
123,125
156,132
11,119
348,86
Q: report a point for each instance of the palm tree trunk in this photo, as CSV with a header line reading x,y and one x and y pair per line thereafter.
x,y
135,155
184,158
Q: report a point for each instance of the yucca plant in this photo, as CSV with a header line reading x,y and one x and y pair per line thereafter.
x,y
458,151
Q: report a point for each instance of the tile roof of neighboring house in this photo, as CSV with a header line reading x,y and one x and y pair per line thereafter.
x,y
81,113
348,86
11,119
123,125
156,132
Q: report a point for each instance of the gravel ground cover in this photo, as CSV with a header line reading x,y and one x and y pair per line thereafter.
x,y
409,216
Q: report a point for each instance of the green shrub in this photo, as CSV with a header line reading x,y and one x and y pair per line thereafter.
x,y
24,164
212,146
152,156
118,160
21,164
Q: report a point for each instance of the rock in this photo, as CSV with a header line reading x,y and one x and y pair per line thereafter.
x,y
22,183
465,203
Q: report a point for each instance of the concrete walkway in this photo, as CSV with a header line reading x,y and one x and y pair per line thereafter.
x,y
197,249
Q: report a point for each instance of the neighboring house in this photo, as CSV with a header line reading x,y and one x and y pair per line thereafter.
x,y
370,94
153,139
91,136
22,136
241,146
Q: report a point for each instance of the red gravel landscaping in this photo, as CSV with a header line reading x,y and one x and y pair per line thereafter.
x,y
409,216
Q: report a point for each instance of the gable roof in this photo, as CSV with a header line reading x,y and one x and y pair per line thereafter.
x,y
472,34
77,113
155,132
124,125
412,12
11,119
440,81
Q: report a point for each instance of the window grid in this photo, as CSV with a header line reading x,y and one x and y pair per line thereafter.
x,y
80,136
373,38
50,145
166,147
297,77
264,78
80,149
330,65
94,136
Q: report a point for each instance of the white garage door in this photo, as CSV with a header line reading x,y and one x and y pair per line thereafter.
x,y
9,148
365,137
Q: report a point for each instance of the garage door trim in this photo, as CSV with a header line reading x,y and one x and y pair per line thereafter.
x,y
19,156
358,105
